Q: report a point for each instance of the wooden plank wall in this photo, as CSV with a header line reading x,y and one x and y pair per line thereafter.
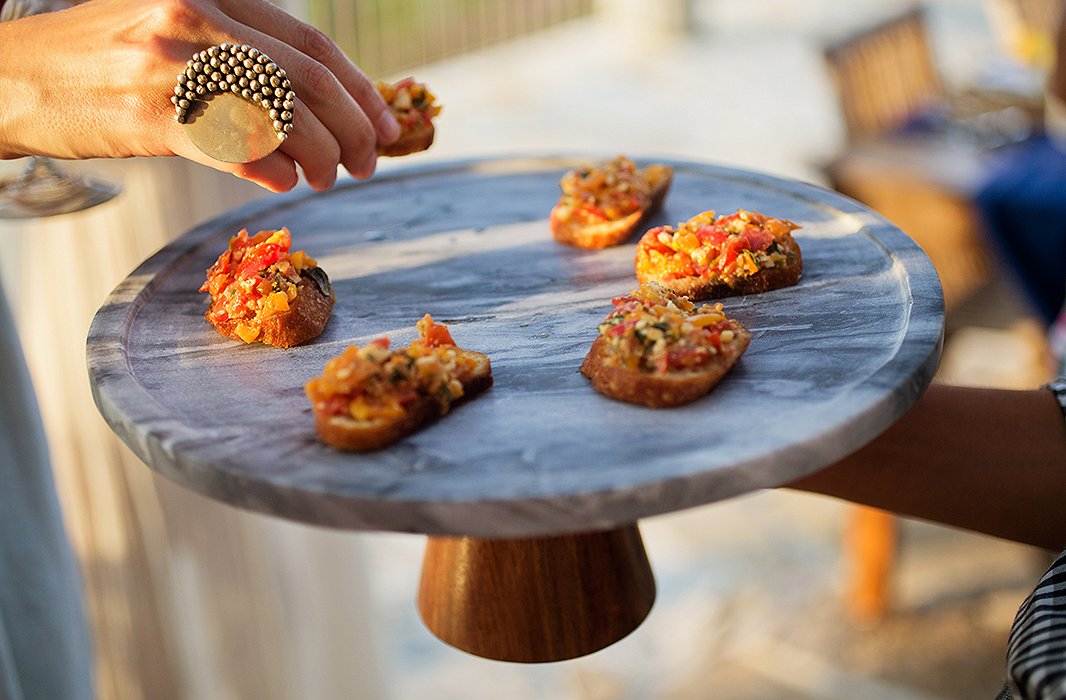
x,y
387,37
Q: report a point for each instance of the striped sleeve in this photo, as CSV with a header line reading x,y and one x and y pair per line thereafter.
x,y
1036,651
1058,390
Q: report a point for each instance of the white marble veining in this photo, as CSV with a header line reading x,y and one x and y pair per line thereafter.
x,y
833,360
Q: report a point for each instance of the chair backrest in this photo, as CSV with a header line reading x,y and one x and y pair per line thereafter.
x,y
1027,28
885,75
1041,15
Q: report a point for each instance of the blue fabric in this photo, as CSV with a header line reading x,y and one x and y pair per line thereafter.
x,y
45,651
1022,204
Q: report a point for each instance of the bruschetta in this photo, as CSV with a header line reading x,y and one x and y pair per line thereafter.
x,y
603,205
658,349
712,256
372,396
414,107
262,292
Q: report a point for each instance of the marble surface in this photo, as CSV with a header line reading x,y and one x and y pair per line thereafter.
x,y
832,362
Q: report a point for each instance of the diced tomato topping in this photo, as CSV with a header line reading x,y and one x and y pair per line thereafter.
x,y
725,221
686,357
591,213
335,405
260,258
652,242
620,330
728,256
433,334
712,236
438,336
758,238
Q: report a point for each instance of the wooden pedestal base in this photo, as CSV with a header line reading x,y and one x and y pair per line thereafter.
x,y
538,599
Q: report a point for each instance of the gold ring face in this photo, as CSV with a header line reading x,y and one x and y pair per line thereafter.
x,y
232,130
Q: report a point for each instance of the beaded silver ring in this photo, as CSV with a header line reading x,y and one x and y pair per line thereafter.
x,y
242,70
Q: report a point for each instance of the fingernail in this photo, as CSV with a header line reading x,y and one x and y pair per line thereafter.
x,y
388,127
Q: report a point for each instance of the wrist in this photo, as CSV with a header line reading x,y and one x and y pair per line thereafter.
x,y
21,97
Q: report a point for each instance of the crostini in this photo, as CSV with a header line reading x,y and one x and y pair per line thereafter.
x,y
370,397
260,291
414,107
658,349
710,256
603,205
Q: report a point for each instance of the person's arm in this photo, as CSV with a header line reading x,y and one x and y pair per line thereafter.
x,y
987,460
95,81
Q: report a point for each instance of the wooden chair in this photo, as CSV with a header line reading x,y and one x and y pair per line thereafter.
x,y
1027,28
885,77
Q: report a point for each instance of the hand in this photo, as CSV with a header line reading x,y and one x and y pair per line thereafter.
x,y
95,80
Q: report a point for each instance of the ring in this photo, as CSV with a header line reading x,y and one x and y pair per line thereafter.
x,y
239,70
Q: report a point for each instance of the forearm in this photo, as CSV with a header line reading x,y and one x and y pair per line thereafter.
x,y
24,94
986,460
15,111
96,81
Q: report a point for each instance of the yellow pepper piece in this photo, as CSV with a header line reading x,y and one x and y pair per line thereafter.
x,y
276,303
301,260
246,333
706,320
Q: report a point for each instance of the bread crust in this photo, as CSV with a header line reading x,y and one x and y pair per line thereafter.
x,y
711,257
418,138
346,433
766,279
597,236
569,231
306,318
414,107
613,379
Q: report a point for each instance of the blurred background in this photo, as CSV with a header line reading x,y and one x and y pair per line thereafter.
x,y
773,595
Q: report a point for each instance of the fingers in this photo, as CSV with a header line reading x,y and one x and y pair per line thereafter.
x,y
276,172
270,19
329,127
313,146
339,116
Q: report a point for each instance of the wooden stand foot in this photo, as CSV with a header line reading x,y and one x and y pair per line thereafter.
x,y
538,599
870,550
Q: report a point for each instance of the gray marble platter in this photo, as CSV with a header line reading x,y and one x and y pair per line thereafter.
x,y
833,361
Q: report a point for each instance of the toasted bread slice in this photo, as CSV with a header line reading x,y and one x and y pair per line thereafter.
x,y
413,139
602,206
369,398
711,257
260,292
347,433
657,349
414,107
